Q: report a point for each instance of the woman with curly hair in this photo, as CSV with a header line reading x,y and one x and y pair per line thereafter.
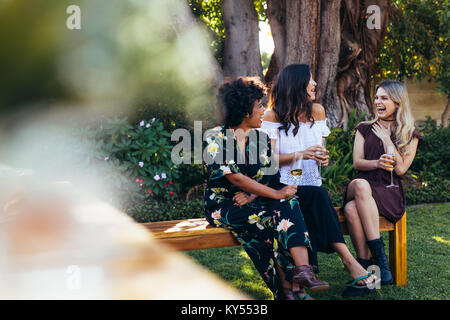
x,y
240,195
297,126
376,189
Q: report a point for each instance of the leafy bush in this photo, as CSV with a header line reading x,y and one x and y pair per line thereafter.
x,y
435,190
151,210
433,155
136,159
340,144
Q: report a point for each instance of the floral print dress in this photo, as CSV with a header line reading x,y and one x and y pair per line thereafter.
x,y
266,228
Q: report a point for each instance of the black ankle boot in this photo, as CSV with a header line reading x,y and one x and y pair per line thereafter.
x,y
376,247
365,263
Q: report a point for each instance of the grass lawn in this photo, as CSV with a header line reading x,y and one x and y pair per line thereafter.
x,y
428,229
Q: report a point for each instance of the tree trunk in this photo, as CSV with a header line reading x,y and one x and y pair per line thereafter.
x,y
359,49
295,27
242,56
329,46
303,32
341,54
446,113
308,32
276,14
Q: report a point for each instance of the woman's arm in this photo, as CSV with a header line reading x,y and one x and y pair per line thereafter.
x,y
308,154
403,162
251,186
360,163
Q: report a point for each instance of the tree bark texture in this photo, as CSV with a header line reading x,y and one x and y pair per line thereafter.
x,y
242,56
333,38
359,49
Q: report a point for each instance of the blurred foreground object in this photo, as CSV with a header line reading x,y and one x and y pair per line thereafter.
x,y
57,243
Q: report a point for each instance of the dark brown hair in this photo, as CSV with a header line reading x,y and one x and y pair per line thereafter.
x,y
289,98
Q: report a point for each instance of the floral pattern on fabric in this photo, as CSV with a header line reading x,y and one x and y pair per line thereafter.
x,y
266,228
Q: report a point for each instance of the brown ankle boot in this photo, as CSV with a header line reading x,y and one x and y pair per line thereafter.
x,y
305,277
288,294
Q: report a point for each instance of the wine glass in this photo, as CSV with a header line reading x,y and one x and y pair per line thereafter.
x,y
323,143
391,153
296,172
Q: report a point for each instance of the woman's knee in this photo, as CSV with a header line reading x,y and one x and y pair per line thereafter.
x,y
361,188
351,213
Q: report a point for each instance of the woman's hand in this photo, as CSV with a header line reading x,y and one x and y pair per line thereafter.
x,y
242,198
382,133
317,153
385,162
286,192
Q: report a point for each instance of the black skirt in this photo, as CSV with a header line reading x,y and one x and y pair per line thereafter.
x,y
321,220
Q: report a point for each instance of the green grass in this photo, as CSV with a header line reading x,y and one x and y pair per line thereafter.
x,y
428,230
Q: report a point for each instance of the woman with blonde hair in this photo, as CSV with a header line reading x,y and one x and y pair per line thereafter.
x,y
383,151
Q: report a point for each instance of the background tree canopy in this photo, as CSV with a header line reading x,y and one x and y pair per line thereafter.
x,y
135,53
138,58
414,43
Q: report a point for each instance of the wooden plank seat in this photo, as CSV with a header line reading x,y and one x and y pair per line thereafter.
x,y
194,234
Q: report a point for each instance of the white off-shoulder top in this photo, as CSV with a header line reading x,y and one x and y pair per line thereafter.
x,y
306,137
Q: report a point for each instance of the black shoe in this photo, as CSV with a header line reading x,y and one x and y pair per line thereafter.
x,y
376,247
354,289
365,263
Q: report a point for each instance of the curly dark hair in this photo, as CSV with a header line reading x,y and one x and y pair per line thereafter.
x,y
237,97
289,98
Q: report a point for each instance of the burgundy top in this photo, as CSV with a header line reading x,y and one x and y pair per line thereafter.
x,y
391,202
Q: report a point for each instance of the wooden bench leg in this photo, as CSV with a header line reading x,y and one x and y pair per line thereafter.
x,y
397,252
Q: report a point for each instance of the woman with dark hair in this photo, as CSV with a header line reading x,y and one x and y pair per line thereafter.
x,y
297,126
240,196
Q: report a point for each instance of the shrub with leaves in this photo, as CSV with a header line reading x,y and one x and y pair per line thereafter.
x,y
150,210
136,159
340,145
433,155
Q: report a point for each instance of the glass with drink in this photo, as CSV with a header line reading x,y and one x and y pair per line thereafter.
x,y
391,153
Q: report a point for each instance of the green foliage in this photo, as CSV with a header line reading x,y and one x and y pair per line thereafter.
x,y
150,210
135,158
416,43
28,60
433,155
210,13
434,190
431,166
340,145
193,175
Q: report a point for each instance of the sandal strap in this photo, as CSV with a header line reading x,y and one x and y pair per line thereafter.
x,y
305,297
297,293
360,278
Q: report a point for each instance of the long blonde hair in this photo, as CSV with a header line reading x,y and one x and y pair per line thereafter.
x,y
404,120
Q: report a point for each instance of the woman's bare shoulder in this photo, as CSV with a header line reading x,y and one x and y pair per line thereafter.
x,y
318,112
270,115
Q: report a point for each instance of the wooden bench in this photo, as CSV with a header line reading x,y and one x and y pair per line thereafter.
x,y
194,234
